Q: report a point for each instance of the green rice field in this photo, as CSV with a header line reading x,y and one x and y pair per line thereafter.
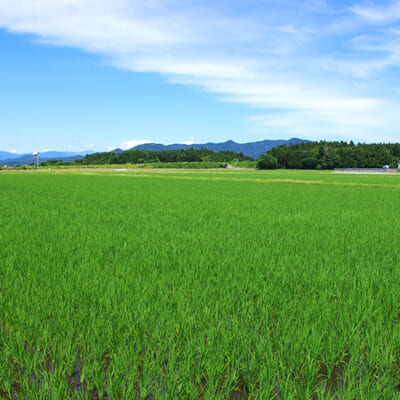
x,y
199,285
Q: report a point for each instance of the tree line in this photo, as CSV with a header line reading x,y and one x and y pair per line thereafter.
x,y
305,155
136,156
330,155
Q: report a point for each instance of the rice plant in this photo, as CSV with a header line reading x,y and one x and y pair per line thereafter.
x,y
199,285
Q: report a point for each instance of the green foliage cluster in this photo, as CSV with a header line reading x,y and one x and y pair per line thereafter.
x,y
183,158
329,155
186,165
198,285
172,165
166,156
56,163
267,161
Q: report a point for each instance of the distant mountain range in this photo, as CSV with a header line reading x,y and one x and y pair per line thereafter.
x,y
5,155
251,149
12,159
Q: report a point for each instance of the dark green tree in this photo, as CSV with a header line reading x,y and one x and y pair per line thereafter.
x,y
267,161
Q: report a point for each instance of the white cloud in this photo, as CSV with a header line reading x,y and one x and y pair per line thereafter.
x,y
88,146
286,93
189,142
195,67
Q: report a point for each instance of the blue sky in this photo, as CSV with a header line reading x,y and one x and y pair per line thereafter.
x,y
100,74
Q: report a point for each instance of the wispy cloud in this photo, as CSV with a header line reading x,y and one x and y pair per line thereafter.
x,y
362,68
352,125
379,14
265,56
291,29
